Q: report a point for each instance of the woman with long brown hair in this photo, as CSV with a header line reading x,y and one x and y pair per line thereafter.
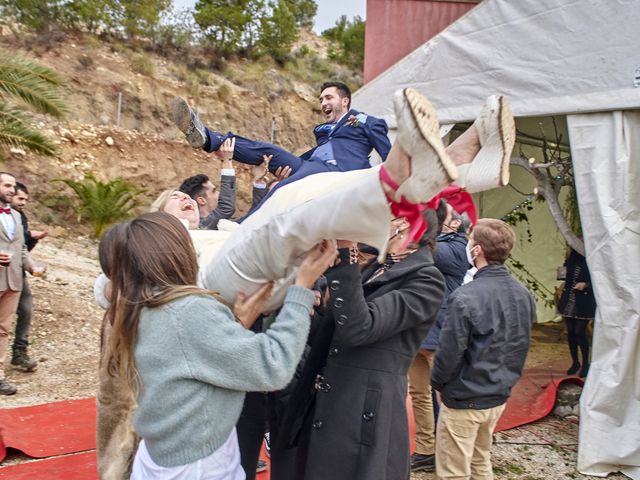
x,y
184,355
116,442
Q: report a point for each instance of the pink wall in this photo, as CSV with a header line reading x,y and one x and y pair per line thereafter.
x,y
395,28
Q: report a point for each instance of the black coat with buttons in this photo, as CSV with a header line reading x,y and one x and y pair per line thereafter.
x,y
352,422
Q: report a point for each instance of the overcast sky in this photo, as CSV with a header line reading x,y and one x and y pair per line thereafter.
x,y
328,11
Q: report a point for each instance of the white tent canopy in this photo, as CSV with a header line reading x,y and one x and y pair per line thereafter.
x,y
579,58
548,56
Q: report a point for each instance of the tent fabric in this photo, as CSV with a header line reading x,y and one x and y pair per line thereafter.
x,y
561,57
548,56
606,157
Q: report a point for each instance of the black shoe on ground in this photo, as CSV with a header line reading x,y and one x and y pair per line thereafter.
x,y
188,122
573,369
6,388
261,467
424,463
21,361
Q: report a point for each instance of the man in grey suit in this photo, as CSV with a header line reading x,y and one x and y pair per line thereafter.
x,y
214,205
13,258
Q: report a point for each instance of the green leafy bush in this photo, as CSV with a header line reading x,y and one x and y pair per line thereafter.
x,y
143,65
347,42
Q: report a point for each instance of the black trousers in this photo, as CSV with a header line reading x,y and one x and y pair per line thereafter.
x,y
251,428
25,313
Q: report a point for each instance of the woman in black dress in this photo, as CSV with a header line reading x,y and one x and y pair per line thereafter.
x,y
577,306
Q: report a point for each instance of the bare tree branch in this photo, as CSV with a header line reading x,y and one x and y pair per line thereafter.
x,y
548,192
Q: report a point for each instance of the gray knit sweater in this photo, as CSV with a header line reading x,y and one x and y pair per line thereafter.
x,y
196,363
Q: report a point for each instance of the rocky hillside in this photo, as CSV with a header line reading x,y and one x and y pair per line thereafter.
x,y
251,98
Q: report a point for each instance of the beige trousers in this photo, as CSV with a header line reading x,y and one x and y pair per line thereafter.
x,y
271,243
463,446
421,399
8,305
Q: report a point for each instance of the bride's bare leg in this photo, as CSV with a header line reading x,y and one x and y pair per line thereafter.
x,y
464,148
483,152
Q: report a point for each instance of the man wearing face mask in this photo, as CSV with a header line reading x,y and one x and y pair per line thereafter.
x,y
450,258
483,346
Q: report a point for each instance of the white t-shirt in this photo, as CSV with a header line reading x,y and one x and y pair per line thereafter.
x,y
223,464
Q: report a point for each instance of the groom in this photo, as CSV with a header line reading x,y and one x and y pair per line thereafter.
x,y
344,141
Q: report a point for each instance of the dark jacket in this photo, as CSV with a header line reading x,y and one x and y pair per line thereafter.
x,y
484,340
257,195
356,424
450,258
29,241
350,144
577,303
226,203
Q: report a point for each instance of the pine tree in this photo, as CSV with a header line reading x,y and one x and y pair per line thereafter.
x,y
140,18
347,41
224,22
278,31
304,12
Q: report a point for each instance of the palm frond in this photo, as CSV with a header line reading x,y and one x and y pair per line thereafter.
x,y
14,132
35,85
9,113
103,203
18,64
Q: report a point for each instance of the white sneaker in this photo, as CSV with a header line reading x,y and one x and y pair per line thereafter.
x,y
419,136
497,132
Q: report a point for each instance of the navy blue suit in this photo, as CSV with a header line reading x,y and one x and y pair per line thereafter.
x,y
343,146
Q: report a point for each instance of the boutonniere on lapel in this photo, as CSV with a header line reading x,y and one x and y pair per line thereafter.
x,y
356,120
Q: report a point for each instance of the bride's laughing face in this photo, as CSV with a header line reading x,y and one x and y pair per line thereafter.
x,y
182,206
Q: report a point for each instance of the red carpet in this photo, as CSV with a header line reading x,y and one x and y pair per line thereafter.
x,y
67,427
51,429
81,466
533,397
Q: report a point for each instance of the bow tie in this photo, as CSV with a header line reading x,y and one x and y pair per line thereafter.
x,y
5,210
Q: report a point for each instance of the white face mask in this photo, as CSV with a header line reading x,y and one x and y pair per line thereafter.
x,y
470,257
